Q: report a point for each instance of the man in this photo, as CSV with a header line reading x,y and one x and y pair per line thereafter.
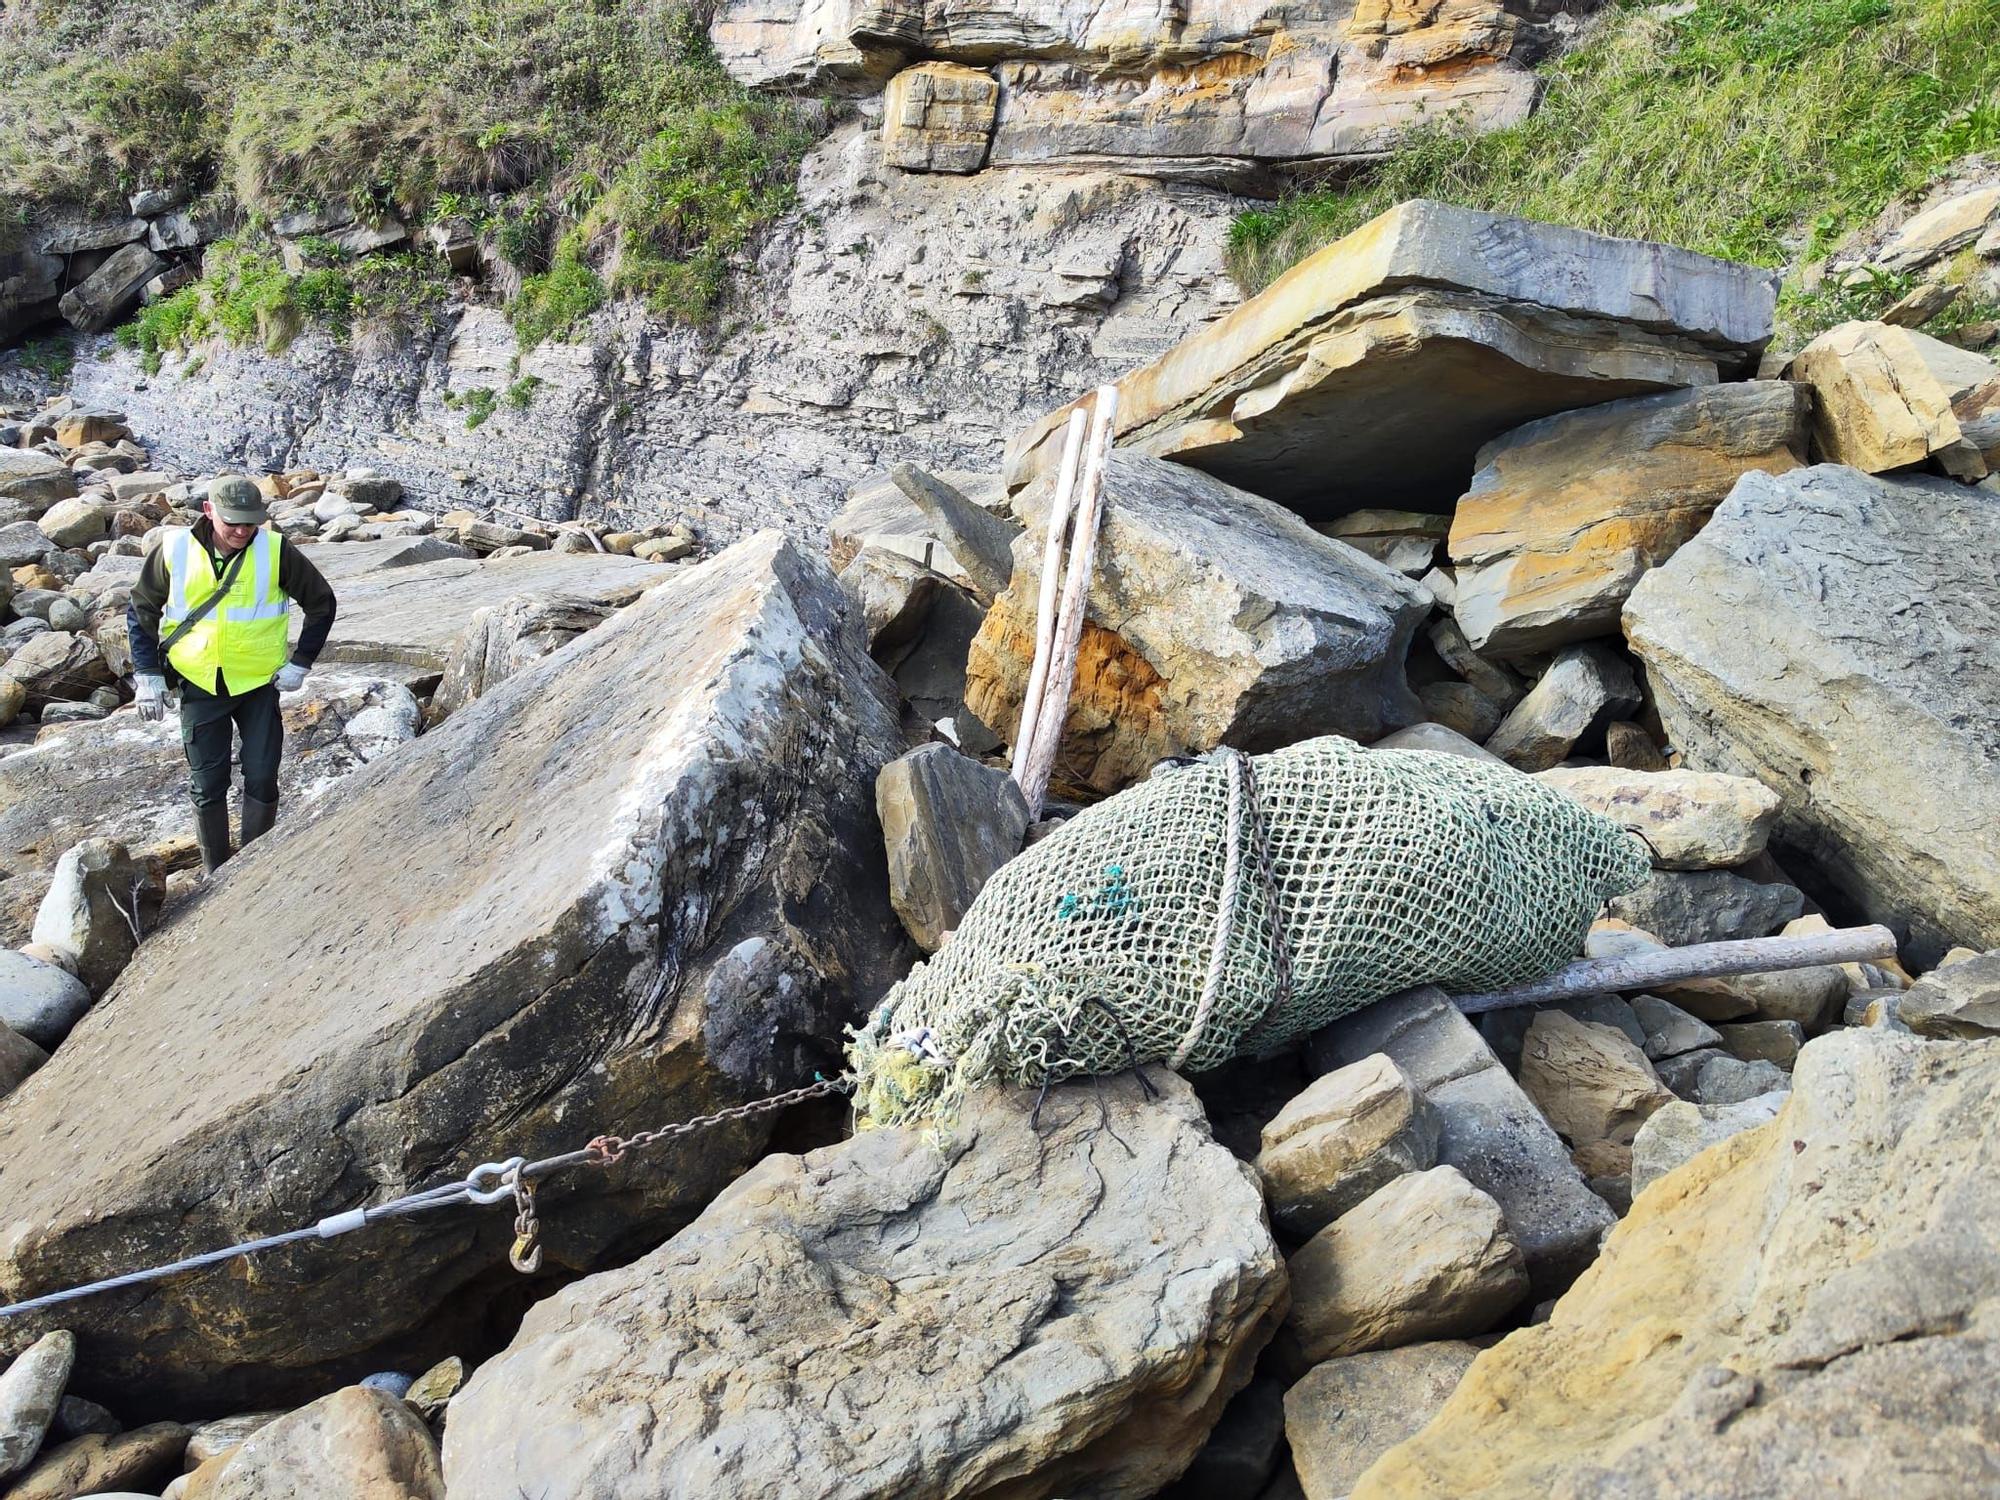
x,y
214,602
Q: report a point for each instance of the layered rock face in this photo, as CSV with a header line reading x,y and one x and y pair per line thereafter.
x,y
1009,1312
897,315
1371,373
639,879
1695,1359
1213,91
1224,620
1829,633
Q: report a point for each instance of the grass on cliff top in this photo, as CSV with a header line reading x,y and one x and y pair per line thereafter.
x,y
1760,130
604,126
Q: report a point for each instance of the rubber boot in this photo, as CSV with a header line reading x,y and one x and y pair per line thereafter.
x,y
257,819
211,832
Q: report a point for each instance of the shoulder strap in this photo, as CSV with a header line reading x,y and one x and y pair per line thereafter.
x,y
201,611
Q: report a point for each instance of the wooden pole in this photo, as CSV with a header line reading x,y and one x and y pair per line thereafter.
x,y
1639,971
1057,526
1054,710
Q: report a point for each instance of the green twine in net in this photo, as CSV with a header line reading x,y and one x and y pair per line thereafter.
x,y
1093,948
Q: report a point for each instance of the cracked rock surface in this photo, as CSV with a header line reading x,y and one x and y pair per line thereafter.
x,y
1004,1314
1845,1345
599,898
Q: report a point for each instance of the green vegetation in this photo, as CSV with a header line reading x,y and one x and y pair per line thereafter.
x,y
247,295
521,394
596,144
1742,128
479,402
52,359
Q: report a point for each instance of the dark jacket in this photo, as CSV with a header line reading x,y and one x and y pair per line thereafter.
x,y
300,580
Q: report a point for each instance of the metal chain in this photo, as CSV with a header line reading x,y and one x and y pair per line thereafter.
x,y
606,1149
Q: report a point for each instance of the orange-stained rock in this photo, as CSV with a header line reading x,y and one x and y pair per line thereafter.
x,y
1566,514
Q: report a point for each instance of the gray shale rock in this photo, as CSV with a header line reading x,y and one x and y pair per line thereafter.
x,y
1960,1000
1830,634
948,823
1679,1131
622,891
999,1313
1346,1413
1707,906
30,1392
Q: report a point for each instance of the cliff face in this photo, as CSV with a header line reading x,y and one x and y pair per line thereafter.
x,y
894,316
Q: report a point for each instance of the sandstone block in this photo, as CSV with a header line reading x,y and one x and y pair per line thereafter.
x,y
1885,398
948,823
1691,820
1351,1132
1426,1257
1077,1337
1215,617
1371,373
1590,1081
1960,1000
30,1391
938,117
1566,514
1346,1413
1584,688
356,1444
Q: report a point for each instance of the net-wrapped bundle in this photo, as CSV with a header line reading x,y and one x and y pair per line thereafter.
x,y
1141,930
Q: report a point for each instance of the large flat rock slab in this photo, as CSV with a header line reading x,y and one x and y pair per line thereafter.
x,y
639,880
1831,633
1806,1308
1026,1312
1371,373
414,613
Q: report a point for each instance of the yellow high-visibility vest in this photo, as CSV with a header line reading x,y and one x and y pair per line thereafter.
x,y
244,635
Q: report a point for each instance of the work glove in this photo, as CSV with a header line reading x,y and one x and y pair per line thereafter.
x,y
290,677
151,696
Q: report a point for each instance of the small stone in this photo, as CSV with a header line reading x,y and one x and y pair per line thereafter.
x,y
212,1439
1811,997
1679,1131
76,522
1670,1031
38,999
67,614
1691,820
1349,1134
1584,688
1940,229
1768,1041
1426,1257
1346,1413
1629,747
97,1462
664,549
1682,1071
1960,1000
29,1394
389,1383
76,1417
1707,906
1462,708
433,1390
19,1058
1919,306
1497,684
1730,1080
1590,1081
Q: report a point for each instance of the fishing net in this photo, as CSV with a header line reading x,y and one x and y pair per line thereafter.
x,y
1143,929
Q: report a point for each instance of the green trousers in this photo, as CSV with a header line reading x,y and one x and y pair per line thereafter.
x,y
206,725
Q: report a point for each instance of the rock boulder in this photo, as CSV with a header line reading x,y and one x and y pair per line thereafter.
x,y
1371,373
1566,514
1215,617
1002,1313
607,894
1739,1338
1829,633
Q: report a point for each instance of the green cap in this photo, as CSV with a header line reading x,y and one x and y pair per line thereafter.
x,y
238,500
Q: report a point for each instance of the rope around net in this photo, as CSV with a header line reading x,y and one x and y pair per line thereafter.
x,y
1232,905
